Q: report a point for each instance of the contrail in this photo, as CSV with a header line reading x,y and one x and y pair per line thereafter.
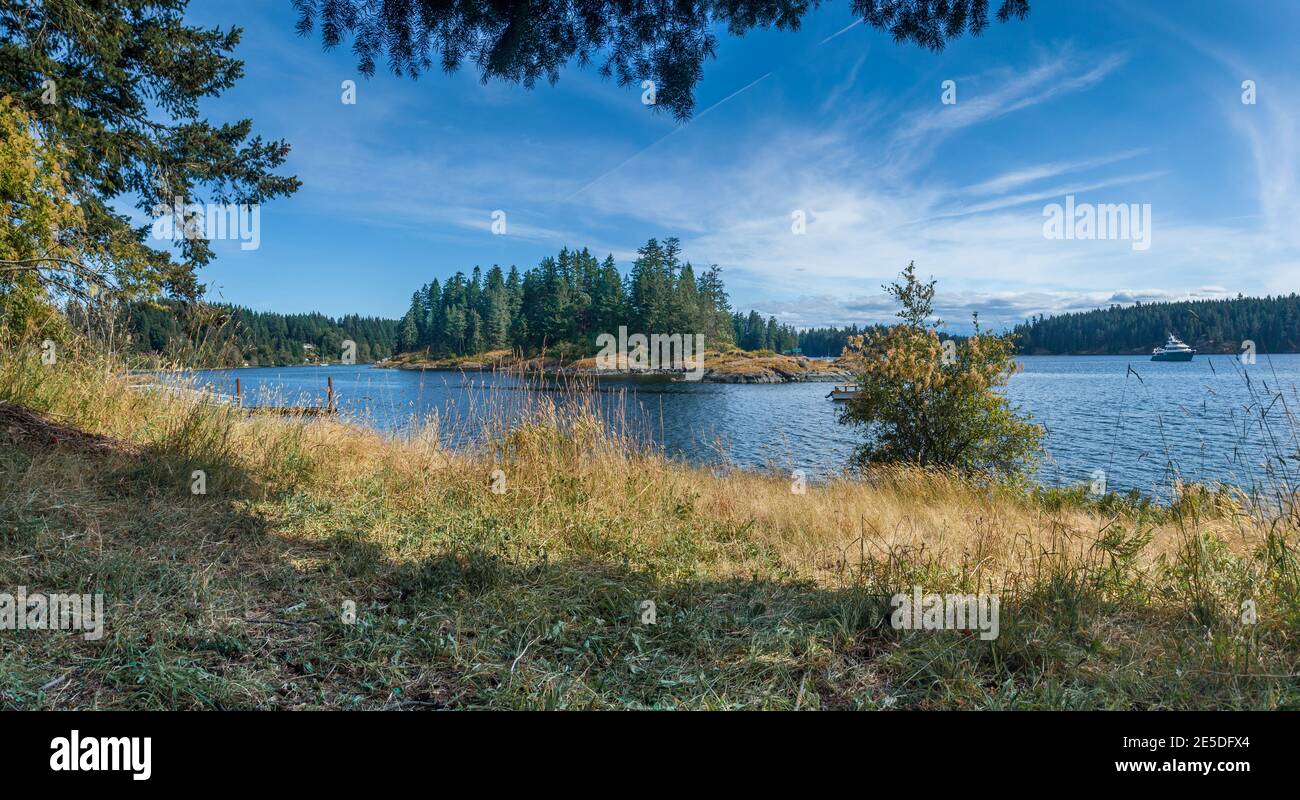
x,y
855,23
656,142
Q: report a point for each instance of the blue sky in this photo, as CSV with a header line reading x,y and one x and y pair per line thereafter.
x,y
1117,101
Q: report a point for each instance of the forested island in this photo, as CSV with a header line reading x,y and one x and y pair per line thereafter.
x,y
560,306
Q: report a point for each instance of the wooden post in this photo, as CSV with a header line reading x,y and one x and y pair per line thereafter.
x,y
239,395
329,383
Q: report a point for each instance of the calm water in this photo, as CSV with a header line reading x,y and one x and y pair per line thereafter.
x,y
1141,422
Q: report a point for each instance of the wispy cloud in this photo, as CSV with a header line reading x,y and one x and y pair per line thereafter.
x,y
1041,195
1015,91
1270,129
837,92
1024,176
867,217
855,23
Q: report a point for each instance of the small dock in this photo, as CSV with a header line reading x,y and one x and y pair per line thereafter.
x,y
330,409
843,393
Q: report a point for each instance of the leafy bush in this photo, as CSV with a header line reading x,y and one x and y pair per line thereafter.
x,y
932,402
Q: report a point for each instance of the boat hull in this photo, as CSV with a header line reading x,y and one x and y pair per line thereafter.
x,y
1173,356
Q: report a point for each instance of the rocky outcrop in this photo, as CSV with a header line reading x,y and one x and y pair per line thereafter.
x,y
776,375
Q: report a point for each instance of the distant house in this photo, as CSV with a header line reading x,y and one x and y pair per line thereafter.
x,y
793,351
308,352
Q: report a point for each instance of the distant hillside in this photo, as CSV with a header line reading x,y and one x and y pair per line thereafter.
x,y
232,336
829,342
1210,326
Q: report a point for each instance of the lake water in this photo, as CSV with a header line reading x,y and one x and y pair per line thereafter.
x,y
1140,422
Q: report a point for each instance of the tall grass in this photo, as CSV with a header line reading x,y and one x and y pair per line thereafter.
x,y
535,597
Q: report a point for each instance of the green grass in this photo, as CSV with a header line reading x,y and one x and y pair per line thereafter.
x,y
533,598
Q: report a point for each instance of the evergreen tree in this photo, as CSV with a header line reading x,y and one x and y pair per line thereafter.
x,y
609,310
497,311
203,335
429,320
453,330
566,301
661,41
127,78
411,338
1272,324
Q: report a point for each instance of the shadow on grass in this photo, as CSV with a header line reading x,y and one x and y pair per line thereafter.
x,y
226,601
88,514
491,632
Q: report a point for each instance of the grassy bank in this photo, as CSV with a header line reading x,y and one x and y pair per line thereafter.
x,y
533,598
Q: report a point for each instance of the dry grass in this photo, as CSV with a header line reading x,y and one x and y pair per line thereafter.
x,y
734,363
485,360
531,599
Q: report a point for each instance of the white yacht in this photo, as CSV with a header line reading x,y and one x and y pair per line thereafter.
x,y
1173,350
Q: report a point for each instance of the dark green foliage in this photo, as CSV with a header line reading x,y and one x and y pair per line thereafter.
x,y
565,302
127,78
559,307
231,336
665,41
1210,326
752,333
830,341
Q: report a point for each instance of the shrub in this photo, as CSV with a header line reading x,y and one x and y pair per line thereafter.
x,y
931,402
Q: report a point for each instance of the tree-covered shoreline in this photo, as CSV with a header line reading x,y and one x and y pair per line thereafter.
x,y
1210,326
557,308
565,302
212,336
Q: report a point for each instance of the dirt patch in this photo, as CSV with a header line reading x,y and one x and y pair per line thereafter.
x,y
32,427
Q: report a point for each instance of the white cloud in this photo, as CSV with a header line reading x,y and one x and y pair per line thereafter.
x,y
997,309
